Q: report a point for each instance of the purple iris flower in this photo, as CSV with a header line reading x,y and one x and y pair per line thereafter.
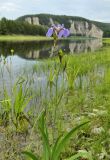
x,y
59,30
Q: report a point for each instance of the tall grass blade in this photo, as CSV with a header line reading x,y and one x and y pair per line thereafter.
x,y
31,155
81,154
62,142
44,134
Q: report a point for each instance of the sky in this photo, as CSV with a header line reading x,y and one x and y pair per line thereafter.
x,y
92,9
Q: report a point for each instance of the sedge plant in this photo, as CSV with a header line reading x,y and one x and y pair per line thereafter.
x,y
54,152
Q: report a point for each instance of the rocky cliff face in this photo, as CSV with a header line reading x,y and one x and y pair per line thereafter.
x,y
32,20
82,28
86,29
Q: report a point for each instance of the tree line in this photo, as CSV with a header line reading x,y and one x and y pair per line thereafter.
x,y
20,27
44,19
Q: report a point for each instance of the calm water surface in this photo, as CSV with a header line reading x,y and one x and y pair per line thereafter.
x,y
28,53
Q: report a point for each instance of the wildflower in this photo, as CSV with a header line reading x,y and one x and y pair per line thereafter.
x,y
58,30
12,51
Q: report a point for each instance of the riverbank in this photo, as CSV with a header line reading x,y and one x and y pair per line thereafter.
x,y
20,38
106,40
23,38
68,93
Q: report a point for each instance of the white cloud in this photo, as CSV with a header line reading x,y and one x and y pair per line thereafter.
x,y
91,9
9,7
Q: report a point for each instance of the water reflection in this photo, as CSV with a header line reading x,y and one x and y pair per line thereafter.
x,y
85,46
25,55
36,50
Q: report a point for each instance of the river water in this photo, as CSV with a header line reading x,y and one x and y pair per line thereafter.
x,y
26,54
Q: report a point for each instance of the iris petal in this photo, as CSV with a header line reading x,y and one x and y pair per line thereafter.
x,y
61,33
66,33
50,32
59,30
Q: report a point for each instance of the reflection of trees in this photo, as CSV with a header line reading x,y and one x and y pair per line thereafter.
x,y
29,50
26,49
35,50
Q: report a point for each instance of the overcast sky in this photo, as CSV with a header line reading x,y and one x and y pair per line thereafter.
x,y
92,9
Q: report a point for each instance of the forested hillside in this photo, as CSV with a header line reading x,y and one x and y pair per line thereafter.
x,y
20,26
44,20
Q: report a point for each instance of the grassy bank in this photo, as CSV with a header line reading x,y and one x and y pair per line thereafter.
x,y
23,38
106,40
36,38
57,96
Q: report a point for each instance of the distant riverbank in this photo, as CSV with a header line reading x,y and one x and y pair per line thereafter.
x,y
23,38
106,40
20,38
